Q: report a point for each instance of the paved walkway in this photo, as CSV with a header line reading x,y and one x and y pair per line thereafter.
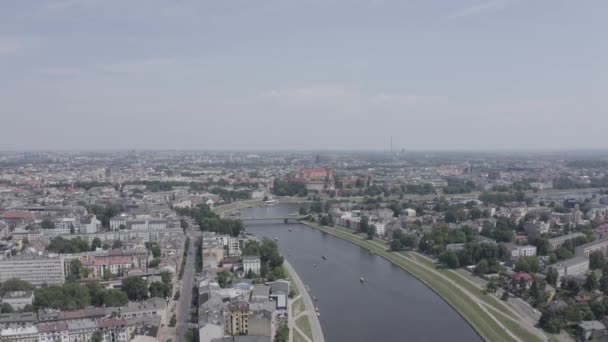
x,y
315,325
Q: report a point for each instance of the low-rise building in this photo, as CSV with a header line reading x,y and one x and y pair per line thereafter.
x,y
588,248
572,267
522,251
557,242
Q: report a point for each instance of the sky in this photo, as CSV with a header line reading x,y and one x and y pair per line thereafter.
x,y
303,74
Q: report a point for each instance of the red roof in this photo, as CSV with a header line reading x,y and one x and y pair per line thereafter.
x,y
523,275
51,327
17,215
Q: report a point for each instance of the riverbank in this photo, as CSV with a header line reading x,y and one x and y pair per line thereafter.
x,y
492,319
303,319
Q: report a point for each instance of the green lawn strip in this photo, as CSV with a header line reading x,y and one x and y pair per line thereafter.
x,y
460,280
514,327
304,324
480,321
297,337
297,306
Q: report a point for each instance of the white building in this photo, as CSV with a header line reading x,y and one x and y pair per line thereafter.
x,y
66,223
522,251
379,228
409,212
89,224
258,194
33,268
251,263
19,334
117,221
571,267
234,248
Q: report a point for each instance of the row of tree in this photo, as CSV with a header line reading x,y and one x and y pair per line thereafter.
x,y
79,245
208,220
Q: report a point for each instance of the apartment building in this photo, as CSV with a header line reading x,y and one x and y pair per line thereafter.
x,y
588,248
557,242
238,318
34,268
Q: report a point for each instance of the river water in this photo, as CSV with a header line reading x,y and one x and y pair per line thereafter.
x,y
390,305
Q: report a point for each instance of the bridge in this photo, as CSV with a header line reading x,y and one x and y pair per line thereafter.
x,y
284,218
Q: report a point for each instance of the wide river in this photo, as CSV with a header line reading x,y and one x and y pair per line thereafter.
x,y
390,305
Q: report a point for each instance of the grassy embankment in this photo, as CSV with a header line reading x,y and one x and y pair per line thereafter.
x,y
425,270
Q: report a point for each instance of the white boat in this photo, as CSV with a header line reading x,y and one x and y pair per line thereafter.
x,y
318,314
362,279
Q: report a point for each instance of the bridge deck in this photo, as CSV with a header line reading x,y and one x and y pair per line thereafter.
x,y
272,218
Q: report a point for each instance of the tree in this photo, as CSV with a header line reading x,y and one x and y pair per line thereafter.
x,y
527,264
6,308
364,224
396,245
223,278
97,336
15,284
303,211
604,280
156,251
135,288
184,224
282,334
159,289
173,321
450,259
75,267
552,276
492,286
114,298
505,296
96,243
596,260
117,244
371,232
47,224
591,283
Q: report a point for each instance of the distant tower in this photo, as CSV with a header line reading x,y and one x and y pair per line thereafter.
x,y
391,144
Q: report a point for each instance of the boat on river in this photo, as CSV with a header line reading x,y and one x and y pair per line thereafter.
x,y
362,279
323,257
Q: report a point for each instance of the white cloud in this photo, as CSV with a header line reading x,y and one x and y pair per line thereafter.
x,y
489,6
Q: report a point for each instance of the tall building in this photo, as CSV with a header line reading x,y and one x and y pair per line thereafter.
x,y
238,318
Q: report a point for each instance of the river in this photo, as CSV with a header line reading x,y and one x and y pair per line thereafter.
x,y
390,305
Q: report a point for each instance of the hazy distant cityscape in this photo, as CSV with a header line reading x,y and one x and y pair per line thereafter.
x,y
158,245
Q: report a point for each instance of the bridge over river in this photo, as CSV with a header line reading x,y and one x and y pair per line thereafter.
x,y
284,218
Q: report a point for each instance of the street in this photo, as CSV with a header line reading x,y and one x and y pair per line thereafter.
x,y
185,299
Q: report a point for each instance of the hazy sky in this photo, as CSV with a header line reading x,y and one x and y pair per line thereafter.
x,y
304,74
